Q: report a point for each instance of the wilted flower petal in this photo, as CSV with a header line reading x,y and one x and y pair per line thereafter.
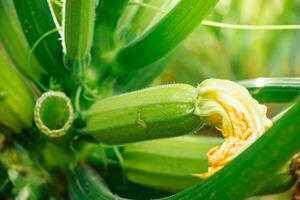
x,y
230,108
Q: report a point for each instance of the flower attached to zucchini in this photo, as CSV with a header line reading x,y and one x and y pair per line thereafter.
x,y
230,108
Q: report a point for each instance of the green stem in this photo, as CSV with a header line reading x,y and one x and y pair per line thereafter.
x,y
273,89
109,12
78,30
146,14
251,27
165,35
104,49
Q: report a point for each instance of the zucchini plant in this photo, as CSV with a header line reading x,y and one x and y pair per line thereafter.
x,y
79,118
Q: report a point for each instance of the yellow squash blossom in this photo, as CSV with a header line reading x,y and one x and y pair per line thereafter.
x,y
230,108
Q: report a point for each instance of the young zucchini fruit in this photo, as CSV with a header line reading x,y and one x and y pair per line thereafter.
x,y
178,109
163,111
16,98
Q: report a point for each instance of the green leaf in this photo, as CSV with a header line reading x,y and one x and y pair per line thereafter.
x,y
130,28
85,184
36,20
165,35
143,18
108,15
273,89
78,22
15,43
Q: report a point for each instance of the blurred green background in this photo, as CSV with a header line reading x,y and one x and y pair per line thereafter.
x,y
239,54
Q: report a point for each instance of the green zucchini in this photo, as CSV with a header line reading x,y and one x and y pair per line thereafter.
x,y
163,111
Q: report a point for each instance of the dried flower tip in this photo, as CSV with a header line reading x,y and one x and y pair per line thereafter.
x,y
295,165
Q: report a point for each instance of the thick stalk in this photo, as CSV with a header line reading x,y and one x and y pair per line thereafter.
x,y
78,30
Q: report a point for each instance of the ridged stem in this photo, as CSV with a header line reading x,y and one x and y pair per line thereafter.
x,y
78,30
105,41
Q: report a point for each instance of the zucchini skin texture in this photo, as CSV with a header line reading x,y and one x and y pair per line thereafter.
x,y
157,112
